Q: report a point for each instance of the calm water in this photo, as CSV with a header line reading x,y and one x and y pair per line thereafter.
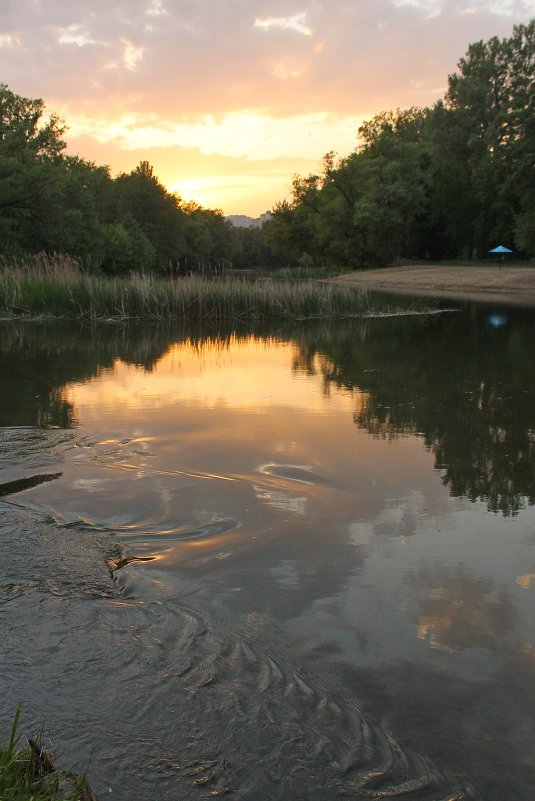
x,y
286,564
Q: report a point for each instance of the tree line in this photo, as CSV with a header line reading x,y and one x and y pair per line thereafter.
x,y
448,181
441,182
55,203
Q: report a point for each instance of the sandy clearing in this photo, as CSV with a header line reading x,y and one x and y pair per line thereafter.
x,y
507,285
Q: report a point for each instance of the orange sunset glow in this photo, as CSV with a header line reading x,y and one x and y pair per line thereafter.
x,y
227,100
215,376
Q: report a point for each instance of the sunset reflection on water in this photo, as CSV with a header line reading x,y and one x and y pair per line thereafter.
x,y
299,517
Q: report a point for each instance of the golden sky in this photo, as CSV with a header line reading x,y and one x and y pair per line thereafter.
x,y
228,98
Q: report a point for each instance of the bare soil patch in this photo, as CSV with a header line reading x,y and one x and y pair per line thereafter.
x,y
506,284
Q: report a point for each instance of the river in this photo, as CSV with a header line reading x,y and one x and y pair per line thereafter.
x,y
286,563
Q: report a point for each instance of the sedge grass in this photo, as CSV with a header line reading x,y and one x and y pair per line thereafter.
x,y
57,288
27,774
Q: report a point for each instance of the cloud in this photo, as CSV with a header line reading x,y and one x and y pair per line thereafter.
x,y
297,23
240,74
74,34
250,135
431,7
214,58
132,55
157,9
6,40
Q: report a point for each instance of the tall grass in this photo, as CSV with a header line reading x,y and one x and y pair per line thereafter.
x,y
56,287
27,774
302,273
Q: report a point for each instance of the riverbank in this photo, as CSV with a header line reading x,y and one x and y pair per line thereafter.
x,y
28,773
507,284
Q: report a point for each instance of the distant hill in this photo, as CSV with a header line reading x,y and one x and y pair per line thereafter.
x,y
243,221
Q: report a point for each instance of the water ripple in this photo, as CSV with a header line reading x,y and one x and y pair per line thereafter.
x,y
303,474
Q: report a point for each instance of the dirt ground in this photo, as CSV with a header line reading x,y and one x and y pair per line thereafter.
x,y
506,284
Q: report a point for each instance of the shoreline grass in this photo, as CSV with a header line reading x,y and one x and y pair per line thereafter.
x,y
55,287
28,774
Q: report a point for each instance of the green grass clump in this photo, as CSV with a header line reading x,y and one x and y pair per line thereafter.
x,y
27,774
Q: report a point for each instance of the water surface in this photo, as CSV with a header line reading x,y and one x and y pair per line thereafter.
x,y
295,563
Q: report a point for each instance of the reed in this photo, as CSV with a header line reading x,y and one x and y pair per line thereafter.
x,y
56,287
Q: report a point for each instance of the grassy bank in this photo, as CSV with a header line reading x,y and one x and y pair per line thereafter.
x,y
28,774
58,288
303,273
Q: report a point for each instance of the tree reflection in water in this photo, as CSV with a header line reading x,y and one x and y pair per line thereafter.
x,y
462,384
456,380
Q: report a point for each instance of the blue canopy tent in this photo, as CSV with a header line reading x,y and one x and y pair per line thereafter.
x,y
500,251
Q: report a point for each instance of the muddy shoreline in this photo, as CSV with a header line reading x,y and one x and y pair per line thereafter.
x,y
508,285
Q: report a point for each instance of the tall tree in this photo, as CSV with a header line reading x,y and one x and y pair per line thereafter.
x,y
493,97
29,149
140,197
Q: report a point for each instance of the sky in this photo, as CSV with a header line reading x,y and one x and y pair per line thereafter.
x,y
227,99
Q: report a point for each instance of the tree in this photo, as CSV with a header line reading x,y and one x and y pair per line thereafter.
x,y
29,150
493,98
23,134
69,217
139,196
394,187
210,238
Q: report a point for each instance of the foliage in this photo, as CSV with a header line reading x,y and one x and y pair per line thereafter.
x,y
450,181
27,774
29,151
56,203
